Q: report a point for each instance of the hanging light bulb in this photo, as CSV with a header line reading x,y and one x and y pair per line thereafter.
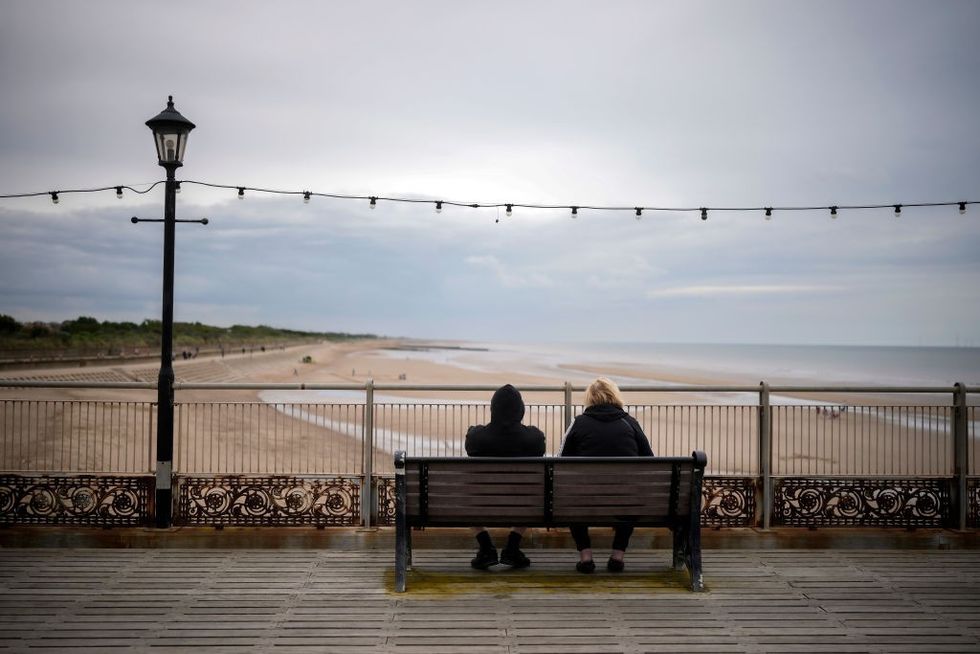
x,y
241,192
374,202
898,211
439,206
306,197
833,212
574,212
704,213
510,210
639,213
962,208
54,197
119,192
177,188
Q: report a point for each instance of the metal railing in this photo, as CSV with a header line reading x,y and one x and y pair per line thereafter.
x,y
300,438
77,436
865,441
764,440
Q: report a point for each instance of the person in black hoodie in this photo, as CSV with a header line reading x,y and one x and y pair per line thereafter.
x,y
604,429
503,436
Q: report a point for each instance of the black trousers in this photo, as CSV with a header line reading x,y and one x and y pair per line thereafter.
x,y
621,537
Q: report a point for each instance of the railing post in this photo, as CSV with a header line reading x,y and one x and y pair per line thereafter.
x,y
765,453
961,466
567,416
367,495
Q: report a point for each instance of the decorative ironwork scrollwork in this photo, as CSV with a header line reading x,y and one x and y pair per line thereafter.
x,y
854,502
273,500
76,500
728,502
386,500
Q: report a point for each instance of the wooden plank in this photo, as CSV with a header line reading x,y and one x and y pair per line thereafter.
x,y
336,600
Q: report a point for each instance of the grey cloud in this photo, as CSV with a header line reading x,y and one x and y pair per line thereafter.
x,y
759,103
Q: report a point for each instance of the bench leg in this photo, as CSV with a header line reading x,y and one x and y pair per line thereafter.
x,y
694,562
401,559
679,548
693,546
403,533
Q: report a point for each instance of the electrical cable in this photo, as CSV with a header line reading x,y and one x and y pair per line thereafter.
x,y
509,206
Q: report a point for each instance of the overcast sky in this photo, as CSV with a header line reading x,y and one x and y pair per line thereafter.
x,y
617,103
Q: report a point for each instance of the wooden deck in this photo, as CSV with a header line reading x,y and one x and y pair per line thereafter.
x,y
341,601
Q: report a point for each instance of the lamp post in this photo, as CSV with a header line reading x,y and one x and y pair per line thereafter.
x,y
170,131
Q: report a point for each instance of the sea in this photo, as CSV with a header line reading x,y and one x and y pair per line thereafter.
x,y
734,363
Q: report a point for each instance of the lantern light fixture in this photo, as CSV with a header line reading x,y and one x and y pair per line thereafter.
x,y
170,131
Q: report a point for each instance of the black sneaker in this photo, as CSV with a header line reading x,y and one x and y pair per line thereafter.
x,y
514,558
585,567
484,559
613,565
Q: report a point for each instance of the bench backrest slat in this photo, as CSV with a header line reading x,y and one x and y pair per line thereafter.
x,y
458,492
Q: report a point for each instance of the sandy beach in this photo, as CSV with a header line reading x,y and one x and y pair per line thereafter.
x,y
312,432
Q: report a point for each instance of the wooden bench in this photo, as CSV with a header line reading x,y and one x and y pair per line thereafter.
x,y
551,492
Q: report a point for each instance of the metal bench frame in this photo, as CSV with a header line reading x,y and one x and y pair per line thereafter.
x,y
683,521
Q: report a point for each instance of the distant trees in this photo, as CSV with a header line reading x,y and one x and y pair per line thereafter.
x,y
86,332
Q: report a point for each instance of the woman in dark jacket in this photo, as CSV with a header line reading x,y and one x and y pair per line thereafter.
x,y
604,429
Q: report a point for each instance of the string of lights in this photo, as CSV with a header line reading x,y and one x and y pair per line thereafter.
x,y
373,200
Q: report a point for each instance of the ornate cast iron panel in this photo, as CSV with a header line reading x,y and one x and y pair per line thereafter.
x,y
272,500
973,505
386,500
75,500
808,502
728,502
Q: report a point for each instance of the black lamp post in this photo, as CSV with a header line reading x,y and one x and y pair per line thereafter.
x,y
170,131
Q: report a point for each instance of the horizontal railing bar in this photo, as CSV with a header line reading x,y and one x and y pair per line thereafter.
x,y
10,383
42,472
530,388
862,389
632,388
257,386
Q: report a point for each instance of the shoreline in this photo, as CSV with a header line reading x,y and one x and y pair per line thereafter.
x,y
417,362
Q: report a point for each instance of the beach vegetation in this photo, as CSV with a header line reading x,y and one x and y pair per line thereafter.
x,y
86,333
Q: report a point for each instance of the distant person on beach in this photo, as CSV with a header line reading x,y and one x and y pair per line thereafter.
x,y
504,436
604,429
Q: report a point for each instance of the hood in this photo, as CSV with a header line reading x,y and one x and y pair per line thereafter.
x,y
506,407
605,412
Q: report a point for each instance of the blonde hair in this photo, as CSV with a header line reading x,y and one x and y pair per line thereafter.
x,y
603,391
